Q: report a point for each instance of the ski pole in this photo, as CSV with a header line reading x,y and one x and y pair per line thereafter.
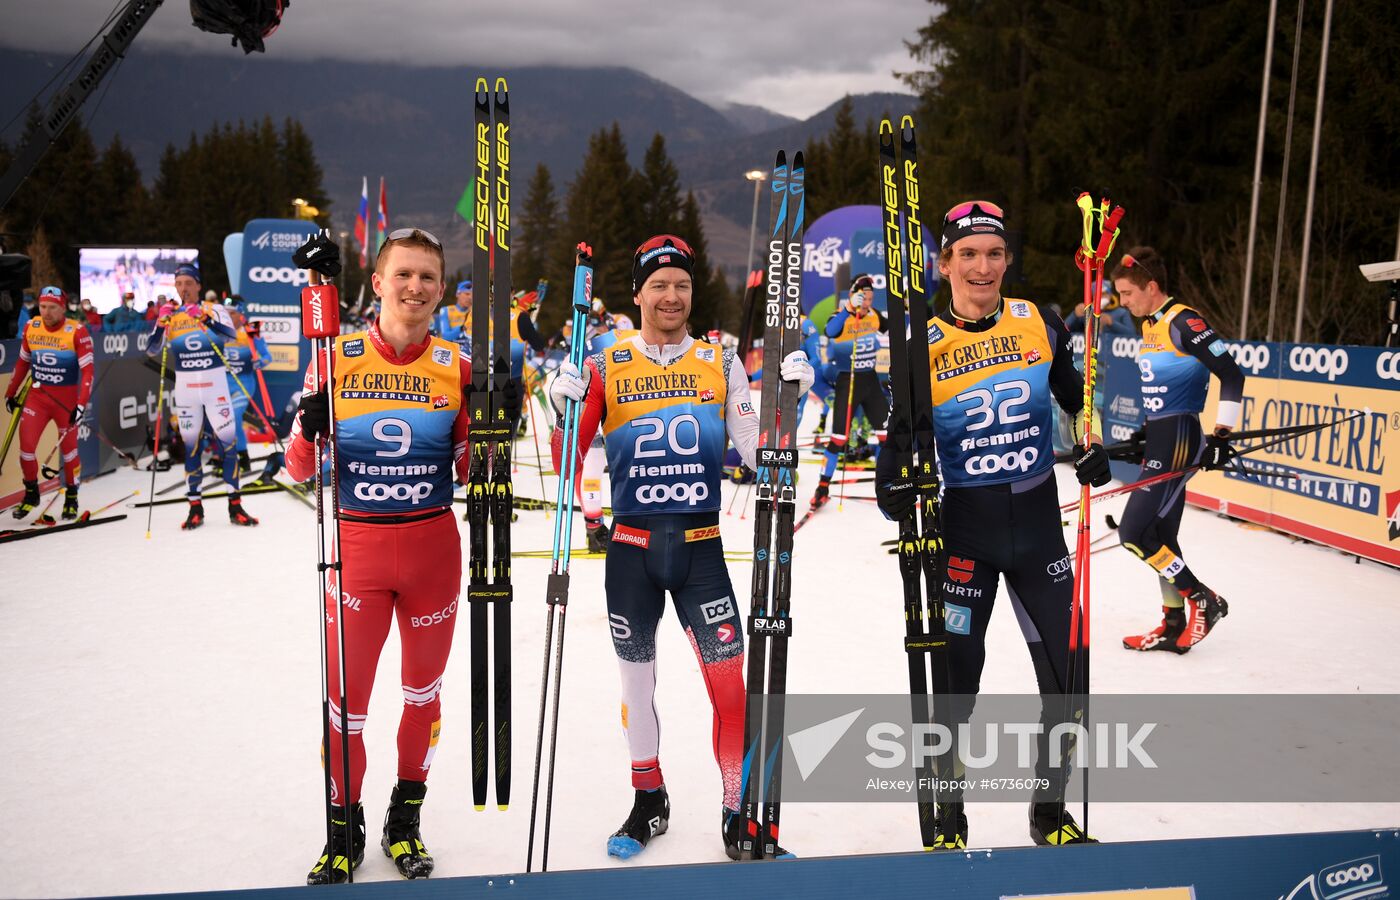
x,y
1090,257
534,433
845,448
155,446
557,592
21,395
320,322
1279,435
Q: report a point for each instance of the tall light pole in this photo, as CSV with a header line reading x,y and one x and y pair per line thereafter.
x,y
757,176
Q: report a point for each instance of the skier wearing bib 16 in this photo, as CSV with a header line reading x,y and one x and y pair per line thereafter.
x,y
1180,351
995,366
191,336
401,427
665,403
57,355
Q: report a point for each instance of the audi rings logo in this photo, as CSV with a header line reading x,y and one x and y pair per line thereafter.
x,y
690,492
1011,461
1058,567
1126,347
276,275
378,493
1329,361
1388,365
114,343
1253,358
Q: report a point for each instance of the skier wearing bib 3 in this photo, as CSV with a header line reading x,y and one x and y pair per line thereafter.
x,y
995,365
1180,351
665,403
401,427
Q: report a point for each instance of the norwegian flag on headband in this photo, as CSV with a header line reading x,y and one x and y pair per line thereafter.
x,y
383,209
362,222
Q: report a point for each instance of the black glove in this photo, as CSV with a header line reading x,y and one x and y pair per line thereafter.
x,y
314,413
77,415
1218,452
510,401
896,497
1091,466
11,404
319,253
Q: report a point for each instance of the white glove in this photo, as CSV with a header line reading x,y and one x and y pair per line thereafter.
x,y
796,368
569,384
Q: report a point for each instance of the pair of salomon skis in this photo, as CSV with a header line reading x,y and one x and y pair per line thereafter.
x,y
770,620
489,489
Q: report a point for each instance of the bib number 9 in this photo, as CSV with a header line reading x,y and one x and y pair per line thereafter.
x,y
393,431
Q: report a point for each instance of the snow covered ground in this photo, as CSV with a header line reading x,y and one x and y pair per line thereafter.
x,y
160,698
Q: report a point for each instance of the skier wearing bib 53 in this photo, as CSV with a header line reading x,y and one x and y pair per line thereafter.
x,y
665,403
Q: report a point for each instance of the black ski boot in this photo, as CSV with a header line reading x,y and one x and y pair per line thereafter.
x,y
237,514
337,860
30,500
195,517
245,465
1203,609
949,827
1052,825
402,842
598,537
651,811
70,504
1164,636
733,831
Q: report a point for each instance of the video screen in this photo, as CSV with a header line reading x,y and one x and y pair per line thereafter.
x,y
105,273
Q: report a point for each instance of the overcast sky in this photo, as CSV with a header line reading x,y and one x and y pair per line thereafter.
x,y
795,57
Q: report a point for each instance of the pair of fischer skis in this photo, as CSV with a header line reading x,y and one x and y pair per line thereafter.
x,y
489,488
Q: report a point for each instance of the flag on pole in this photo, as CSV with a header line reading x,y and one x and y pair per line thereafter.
x,y
383,211
362,223
466,206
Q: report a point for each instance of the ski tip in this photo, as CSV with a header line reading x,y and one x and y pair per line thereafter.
x,y
148,535
503,806
623,847
479,807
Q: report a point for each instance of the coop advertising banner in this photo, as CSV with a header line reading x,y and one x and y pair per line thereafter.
x,y
1339,486
271,289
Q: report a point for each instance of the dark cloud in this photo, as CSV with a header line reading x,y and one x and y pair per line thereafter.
x,y
790,57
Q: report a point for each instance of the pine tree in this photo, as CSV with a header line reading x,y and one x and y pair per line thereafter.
x,y
705,310
842,166
536,234
598,210
658,193
121,196
43,270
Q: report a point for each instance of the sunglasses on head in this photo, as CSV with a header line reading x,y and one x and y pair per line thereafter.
x,y
399,234
55,293
662,240
965,209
